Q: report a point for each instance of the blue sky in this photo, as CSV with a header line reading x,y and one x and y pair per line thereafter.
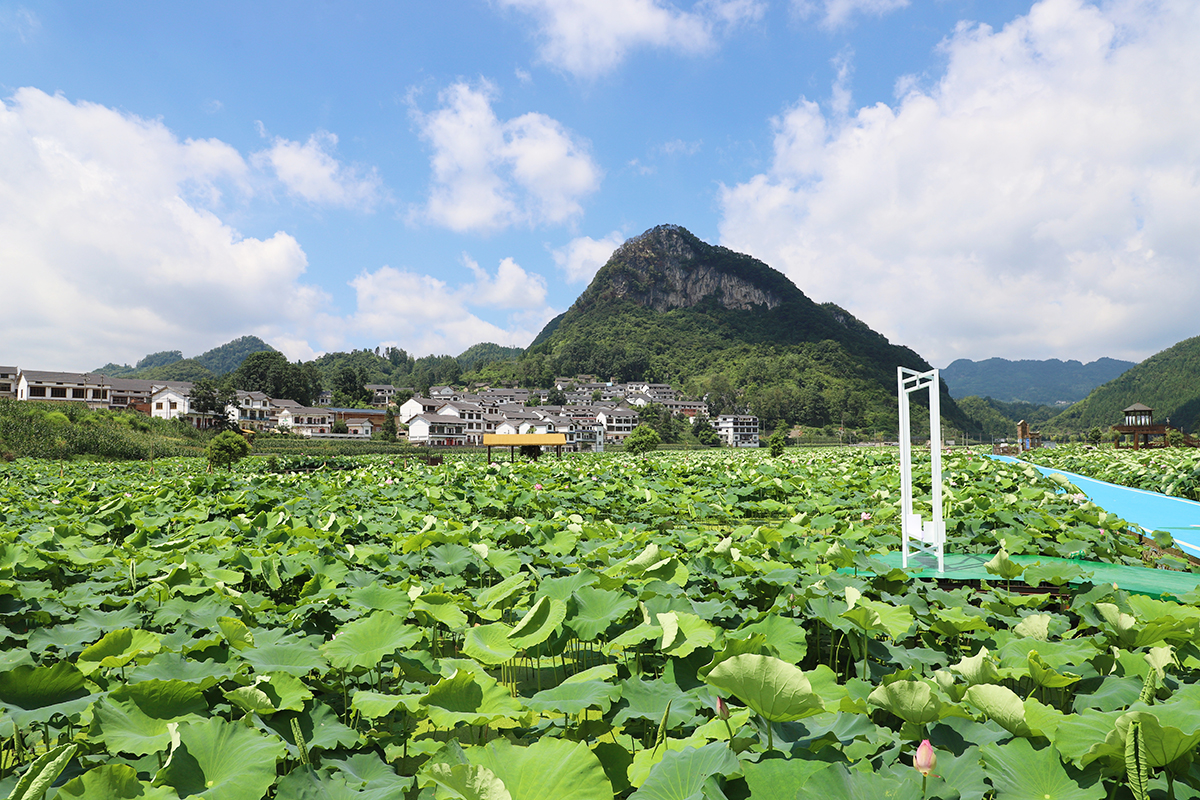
x,y
972,179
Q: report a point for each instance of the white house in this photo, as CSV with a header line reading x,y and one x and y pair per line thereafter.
x,y
416,405
251,410
86,387
359,426
470,413
8,382
738,430
305,421
436,429
170,402
618,423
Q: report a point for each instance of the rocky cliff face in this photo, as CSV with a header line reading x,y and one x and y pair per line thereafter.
x,y
662,270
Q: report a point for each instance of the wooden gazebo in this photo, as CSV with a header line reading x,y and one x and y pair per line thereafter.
x,y
515,440
1143,431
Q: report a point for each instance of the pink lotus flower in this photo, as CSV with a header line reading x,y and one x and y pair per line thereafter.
x,y
722,709
537,486
864,516
926,759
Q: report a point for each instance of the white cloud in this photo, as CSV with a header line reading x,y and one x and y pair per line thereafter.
x,y
512,287
1039,200
590,37
21,21
489,174
109,240
429,316
583,256
837,13
678,147
311,171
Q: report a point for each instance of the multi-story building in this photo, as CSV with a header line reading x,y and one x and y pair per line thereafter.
x,y
738,430
618,423
251,410
471,414
417,405
436,429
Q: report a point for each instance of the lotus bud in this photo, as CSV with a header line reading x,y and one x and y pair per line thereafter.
x,y
722,709
926,759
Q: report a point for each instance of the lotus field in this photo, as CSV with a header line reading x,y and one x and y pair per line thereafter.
x,y
685,625
1172,471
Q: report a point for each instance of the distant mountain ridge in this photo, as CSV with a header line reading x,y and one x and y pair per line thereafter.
x,y
1040,382
171,365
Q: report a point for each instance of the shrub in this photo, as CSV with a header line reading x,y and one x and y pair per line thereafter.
x,y
226,449
642,440
777,442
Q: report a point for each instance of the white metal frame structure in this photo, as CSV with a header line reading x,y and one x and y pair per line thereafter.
x,y
930,536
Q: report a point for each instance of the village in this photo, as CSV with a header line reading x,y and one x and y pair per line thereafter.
x,y
594,413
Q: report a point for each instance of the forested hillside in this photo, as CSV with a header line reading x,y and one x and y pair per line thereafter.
x,y
670,308
1168,382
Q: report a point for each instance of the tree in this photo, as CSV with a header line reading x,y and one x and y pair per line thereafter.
x,y
207,398
642,440
389,426
339,426
777,442
705,433
597,395
226,449
1095,435
556,397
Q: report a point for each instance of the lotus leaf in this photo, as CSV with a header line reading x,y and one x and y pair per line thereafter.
x,y
1164,743
221,760
593,611
778,779
365,642
1020,772
35,694
469,782
912,701
277,691
783,635
836,782
682,774
979,668
472,698
236,633
439,607
135,718
573,698
113,782
489,644
546,768
538,623
774,688
118,648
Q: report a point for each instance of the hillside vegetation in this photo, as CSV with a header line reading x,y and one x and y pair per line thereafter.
x,y
669,308
1168,382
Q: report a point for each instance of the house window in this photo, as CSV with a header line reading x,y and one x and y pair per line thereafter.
x,y
37,391
58,391
79,394
174,405
5,387
158,406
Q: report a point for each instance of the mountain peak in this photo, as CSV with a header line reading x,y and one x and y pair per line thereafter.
x,y
667,267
